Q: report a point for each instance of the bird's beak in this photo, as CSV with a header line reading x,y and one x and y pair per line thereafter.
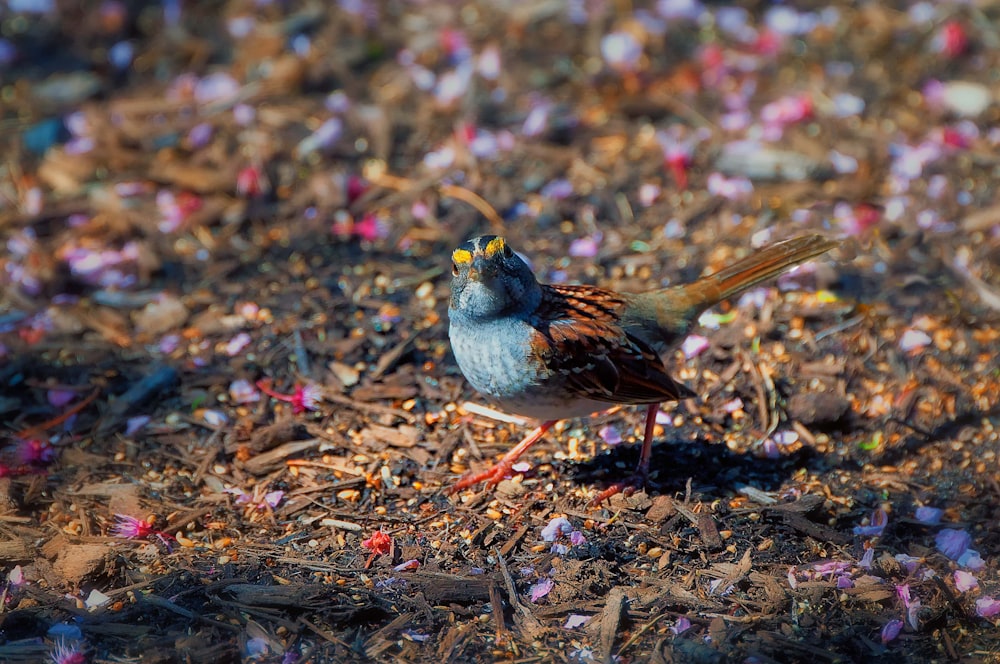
x,y
477,268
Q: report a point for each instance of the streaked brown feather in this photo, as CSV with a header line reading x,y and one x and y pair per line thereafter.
x,y
578,333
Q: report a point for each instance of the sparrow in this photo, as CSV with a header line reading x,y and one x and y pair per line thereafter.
x,y
553,352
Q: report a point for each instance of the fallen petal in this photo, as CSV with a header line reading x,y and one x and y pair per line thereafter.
x,y
891,630
541,589
987,607
965,582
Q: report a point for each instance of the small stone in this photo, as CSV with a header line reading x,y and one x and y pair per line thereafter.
x,y
966,98
761,163
166,313
817,408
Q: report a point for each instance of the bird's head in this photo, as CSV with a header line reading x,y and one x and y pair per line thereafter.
x,y
490,280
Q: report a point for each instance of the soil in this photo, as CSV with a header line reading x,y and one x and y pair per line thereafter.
x,y
230,410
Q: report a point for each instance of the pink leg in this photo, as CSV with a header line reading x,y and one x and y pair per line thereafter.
x,y
638,479
494,474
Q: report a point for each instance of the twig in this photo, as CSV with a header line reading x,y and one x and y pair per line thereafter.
x,y
528,621
329,395
59,419
639,632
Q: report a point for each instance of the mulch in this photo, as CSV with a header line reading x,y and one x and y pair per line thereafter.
x,y
229,406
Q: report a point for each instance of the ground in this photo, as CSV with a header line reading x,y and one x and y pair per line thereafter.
x,y
230,410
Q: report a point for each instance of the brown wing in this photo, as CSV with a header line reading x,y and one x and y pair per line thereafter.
x,y
578,333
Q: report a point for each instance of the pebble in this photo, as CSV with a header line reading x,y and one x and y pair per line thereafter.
x,y
817,408
966,99
756,161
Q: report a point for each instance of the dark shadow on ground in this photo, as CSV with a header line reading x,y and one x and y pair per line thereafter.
x,y
714,469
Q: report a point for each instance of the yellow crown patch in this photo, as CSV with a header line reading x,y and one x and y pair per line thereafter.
x,y
461,256
495,246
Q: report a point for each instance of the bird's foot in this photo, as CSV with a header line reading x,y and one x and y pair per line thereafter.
x,y
635,483
492,476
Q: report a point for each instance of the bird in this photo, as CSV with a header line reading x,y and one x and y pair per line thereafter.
x,y
553,352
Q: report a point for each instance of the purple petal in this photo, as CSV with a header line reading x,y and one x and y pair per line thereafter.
x,y
891,630
830,568
585,247
877,525
987,607
134,424
682,625
200,135
929,516
216,87
242,391
556,527
576,620
60,398
953,543
561,189
621,50
237,344
610,435
970,558
867,559
274,498
257,647
537,120
909,563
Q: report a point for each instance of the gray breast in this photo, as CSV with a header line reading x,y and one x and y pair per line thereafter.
x,y
495,356
496,360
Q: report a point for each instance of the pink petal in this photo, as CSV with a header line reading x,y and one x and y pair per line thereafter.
x,y
408,565
541,589
965,582
694,345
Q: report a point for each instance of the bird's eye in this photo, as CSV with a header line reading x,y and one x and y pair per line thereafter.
x,y
454,270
